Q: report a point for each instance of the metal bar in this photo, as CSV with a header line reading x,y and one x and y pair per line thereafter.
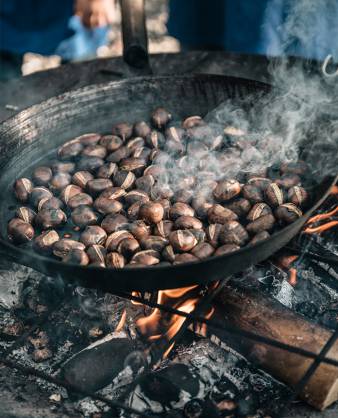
x,y
200,308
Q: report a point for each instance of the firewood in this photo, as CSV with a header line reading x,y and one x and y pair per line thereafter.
x,y
253,311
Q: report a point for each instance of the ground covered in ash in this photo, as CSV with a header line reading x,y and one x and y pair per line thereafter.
x,y
47,322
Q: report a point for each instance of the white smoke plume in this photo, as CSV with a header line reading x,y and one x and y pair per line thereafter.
x,y
297,120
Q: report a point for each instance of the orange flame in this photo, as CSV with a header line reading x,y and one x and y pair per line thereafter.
x,y
151,325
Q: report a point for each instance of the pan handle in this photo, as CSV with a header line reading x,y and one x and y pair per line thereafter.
x,y
134,33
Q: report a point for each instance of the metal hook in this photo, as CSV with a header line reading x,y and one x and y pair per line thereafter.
x,y
324,66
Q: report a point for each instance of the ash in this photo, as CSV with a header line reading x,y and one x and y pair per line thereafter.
x,y
61,320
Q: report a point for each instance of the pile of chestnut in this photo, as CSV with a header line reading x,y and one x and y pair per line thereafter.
x,y
103,201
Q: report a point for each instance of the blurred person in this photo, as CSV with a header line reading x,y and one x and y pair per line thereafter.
x,y
72,29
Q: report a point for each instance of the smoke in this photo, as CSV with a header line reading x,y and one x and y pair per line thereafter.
x,y
298,119
309,30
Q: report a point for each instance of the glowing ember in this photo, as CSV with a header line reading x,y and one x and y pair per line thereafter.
x,y
292,277
311,229
122,321
138,295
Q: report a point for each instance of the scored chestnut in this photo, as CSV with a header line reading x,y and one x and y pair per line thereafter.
x,y
70,149
93,234
26,214
97,255
22,189
192,121
124,179
260,182
182,240
258,210
298,196
62,247
46,241
81,178
274,195
113,193
145,183
106,171
154,139
163,228
134,210
119,154
226,190
68,192
288,180
115,260
19,231
212,233
37,194
52,203
136,196
288,213
114,239
146,257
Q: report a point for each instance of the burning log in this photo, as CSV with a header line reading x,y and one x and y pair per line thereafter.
x,y
252,311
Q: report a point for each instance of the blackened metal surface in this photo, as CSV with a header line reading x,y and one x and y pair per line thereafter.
x,y
36,132
21,93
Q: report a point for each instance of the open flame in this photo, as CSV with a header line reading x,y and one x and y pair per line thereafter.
x,y
158,324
